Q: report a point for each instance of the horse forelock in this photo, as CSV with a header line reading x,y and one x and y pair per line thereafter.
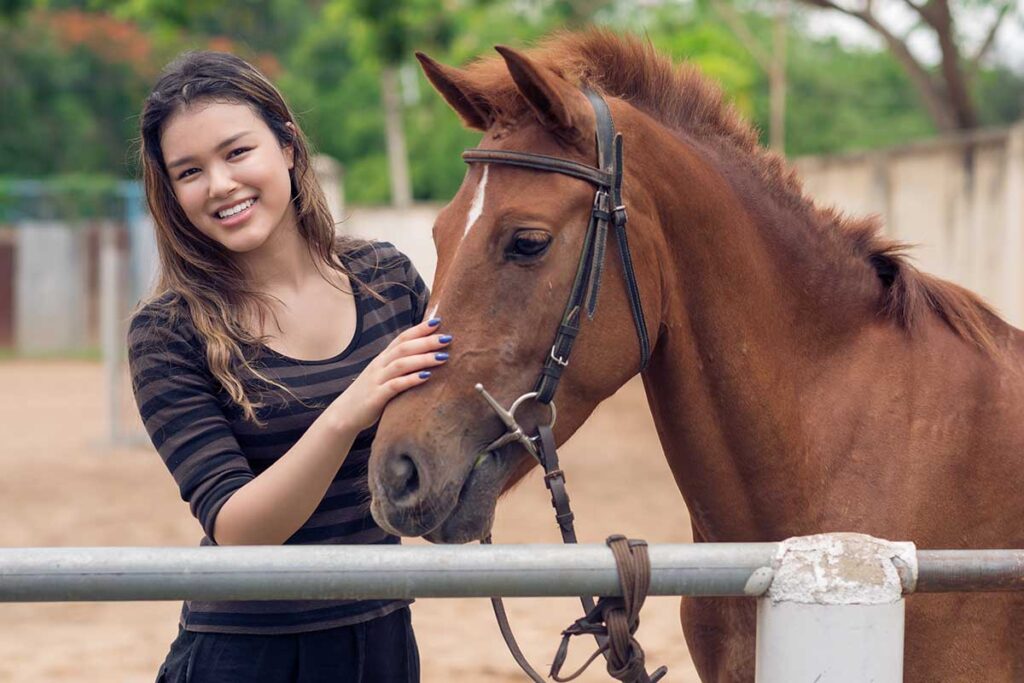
x,y
684,100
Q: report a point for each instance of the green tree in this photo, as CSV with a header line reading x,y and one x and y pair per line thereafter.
x,y
843,100
70,102
946,91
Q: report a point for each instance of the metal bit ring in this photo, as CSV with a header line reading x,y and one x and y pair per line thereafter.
x,y
533,394
514,433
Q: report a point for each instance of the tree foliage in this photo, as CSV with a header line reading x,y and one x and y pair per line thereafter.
x,y
945,90
74,75
72,88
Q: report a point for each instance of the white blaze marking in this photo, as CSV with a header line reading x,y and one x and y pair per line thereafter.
x,y
477,207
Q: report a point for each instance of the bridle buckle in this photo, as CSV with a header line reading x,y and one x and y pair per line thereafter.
x,y
619,215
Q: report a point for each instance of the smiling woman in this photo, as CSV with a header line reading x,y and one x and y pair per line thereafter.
x,y
232,184
261,364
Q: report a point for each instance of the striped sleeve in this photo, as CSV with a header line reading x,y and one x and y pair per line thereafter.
x,y
420,293
176,398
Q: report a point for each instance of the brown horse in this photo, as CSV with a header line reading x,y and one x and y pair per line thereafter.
x,y
803,376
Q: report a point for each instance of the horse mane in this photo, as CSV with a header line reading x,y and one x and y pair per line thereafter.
x,y
683,99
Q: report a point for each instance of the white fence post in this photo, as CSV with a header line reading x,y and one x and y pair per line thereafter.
x,y
834,612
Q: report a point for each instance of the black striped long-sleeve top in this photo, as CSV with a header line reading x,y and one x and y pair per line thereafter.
x,y
212,451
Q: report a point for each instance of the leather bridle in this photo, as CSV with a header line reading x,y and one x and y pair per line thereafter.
x,y
608,209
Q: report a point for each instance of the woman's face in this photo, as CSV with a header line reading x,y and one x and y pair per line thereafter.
x,y
229,173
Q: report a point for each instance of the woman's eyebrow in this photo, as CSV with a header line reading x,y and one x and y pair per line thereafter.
x,y
225,143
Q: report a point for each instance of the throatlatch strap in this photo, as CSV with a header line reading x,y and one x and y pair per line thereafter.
x,y
620,218
610,159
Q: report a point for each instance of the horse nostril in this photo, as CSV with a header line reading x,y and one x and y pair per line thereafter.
x,y
403,477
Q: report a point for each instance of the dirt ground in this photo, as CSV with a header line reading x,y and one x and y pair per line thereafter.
x,y
62,487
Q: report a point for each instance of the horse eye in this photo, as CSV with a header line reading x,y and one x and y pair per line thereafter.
x,y
528,244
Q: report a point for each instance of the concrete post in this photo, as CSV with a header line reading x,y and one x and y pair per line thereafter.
x,y
834,612
50,287
331,176
144,259
111,338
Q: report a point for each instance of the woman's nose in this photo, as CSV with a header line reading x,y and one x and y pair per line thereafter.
x,y
222,183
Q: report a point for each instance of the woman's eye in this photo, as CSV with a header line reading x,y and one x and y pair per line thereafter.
x,y
528,244
238,151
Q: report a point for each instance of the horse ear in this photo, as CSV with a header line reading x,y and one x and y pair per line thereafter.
x,y
559,106
457,92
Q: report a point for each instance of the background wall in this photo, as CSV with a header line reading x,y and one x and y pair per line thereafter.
x,y
959,199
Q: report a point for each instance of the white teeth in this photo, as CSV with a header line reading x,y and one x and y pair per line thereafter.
x,y
236,209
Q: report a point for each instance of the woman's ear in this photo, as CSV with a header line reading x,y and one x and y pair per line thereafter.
x,y
289,149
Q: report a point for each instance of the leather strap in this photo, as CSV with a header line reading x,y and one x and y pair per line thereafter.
x,y
538,162
616,617
554,479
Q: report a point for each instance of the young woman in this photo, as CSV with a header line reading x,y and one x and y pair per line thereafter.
x,y
260,366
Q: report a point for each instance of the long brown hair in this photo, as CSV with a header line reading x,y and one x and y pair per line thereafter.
x,y
196,272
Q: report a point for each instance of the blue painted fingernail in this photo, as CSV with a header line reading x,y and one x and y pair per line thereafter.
x,y
434,322
441,356
444,338
425,374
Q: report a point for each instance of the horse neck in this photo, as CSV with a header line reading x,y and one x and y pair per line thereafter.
x,y
744,329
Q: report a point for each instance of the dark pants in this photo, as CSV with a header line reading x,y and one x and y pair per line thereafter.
x,y
382,649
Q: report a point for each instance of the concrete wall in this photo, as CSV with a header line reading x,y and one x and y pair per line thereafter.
x,y
408,229
50,288
959,199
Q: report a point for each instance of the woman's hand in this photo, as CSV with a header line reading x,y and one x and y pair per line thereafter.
x,y
404,364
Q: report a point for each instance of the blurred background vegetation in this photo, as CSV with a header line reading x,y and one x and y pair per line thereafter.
x,y
74,73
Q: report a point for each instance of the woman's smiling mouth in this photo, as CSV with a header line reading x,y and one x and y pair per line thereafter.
x,y
238,213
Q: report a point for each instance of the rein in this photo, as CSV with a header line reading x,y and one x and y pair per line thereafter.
x,y
612,621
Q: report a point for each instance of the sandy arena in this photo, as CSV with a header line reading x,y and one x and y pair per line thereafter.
x,y
62,487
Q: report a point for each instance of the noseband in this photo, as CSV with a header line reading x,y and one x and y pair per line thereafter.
x,y
625,658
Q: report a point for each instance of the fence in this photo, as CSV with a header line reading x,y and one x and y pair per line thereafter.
x,y
829,603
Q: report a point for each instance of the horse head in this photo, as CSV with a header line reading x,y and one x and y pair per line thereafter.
x,y
509,245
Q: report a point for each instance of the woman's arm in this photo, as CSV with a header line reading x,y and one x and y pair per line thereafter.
x,y
273,506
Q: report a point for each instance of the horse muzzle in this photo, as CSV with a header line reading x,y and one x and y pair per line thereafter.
x,y
413,497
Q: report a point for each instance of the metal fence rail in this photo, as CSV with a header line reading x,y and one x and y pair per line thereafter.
x,y
341,572
830,607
